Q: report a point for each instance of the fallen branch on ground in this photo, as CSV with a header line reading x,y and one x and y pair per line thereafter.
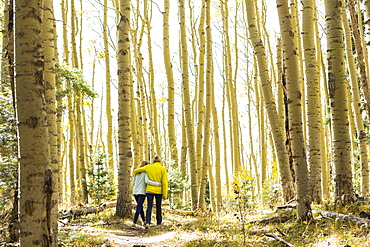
x,y
87,210
365,214
354,219
179,212
279,219
287,206
271,235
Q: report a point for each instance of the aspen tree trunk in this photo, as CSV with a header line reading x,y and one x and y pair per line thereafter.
x,y
280,89
139,130
253,161
7,76
356,103
58,123
338,100
362,64
212,189
141,100
183,163
360,56
217,156
76,148
314,114
63,177
367,21
226,167
75,63
262,158
124,200
153,100
325,145
81,152
71,145
80,36
171,85
262,139
200,91
293,7
134,129
187,106
266,88
294,102
361,26
108,107
64,11
50,100
207,124
36,173
231,84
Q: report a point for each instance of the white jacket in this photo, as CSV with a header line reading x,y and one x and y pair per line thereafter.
x,y
140,181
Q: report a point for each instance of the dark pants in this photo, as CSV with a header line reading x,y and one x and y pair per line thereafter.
x,y
139,207
158,205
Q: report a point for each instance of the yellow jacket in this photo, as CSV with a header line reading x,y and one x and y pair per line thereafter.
x,y
157,173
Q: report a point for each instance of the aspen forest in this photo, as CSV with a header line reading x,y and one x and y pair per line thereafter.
x,y
259,111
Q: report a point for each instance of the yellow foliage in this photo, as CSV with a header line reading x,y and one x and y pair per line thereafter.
x,y
241,184
101,55
162,100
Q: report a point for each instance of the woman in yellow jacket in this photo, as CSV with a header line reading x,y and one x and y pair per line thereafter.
x,y
157,173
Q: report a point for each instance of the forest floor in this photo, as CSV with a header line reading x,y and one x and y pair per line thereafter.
x,y
226,229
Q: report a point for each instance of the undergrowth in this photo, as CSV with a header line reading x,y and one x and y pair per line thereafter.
x,y
221,229
224,230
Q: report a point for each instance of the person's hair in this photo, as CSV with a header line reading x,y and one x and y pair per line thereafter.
x,y
143,163
157,159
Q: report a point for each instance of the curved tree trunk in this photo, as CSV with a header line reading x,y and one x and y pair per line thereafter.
x,y
285,176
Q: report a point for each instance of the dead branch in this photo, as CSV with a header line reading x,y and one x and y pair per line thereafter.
x,y
292,200
179,212
87,210
271,235
365,214
274,219
362,198
354,219
287,206
106,205
281,232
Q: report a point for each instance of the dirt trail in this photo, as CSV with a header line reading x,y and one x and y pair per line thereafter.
x,y
139,236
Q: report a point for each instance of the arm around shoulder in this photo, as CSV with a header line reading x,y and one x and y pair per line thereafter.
x,y
142,169
150,182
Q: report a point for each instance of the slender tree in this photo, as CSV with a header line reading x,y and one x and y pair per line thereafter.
x,y
108,106
294,104
337,83
171,84
207,126
285,176
314,114
367,21
187,106
356,108
124,200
